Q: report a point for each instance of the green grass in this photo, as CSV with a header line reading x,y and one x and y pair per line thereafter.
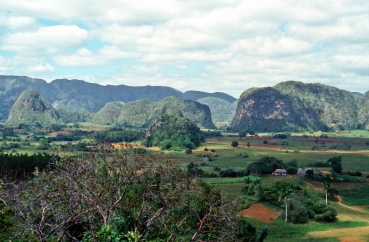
x,y
279,231
226,180
355,196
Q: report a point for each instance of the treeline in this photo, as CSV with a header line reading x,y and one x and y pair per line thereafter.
x,y
19,166
114,136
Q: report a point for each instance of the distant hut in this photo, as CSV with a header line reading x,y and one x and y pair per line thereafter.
x,y
280,172
302,172
315,148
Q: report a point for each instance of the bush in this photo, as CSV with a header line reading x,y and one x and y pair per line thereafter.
x,y
188,151
234,144
354,173
298,213
324,213
291,170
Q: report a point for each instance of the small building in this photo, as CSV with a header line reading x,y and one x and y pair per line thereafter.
x,y
280,172
302,172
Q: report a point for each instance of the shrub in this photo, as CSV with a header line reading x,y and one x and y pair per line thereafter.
x,y
354,173
324,213
234,144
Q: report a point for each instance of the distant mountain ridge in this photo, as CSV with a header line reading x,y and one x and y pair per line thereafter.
x,y
78,95
221,110
31,109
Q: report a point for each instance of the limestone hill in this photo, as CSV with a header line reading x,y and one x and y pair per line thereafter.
x,y
295,106
78,95
31,109
142,113
109,114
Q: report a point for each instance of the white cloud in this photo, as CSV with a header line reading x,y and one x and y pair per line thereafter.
x,y
45,39
142,70
82,58
40,68
115,52
237,43
16,22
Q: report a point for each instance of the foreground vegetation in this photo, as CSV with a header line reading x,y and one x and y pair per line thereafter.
x,y
117,195
65,162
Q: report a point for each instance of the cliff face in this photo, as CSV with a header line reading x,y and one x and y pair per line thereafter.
x,y
295,106
329,105
363,111
31,109
266,109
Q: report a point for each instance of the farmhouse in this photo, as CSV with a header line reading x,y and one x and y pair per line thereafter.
x,y
279,172
315,148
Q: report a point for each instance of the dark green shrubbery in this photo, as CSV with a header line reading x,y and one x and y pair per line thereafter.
x,y
266,165
170,132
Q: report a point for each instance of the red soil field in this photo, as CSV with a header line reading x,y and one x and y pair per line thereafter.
x,y
260,212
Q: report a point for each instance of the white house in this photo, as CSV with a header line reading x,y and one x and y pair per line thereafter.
x,y
280,172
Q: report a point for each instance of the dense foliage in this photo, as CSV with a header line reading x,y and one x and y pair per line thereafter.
x,y
266,165
336,163
20,166
175,133
116,195
115,136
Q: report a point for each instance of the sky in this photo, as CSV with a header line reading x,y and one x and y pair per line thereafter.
x,y
212,46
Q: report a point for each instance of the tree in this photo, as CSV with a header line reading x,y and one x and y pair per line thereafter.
x,y
217,169
242,134
172,132
285,192
336,163
115,192
324,213
234,144
326,184
309,174
259,192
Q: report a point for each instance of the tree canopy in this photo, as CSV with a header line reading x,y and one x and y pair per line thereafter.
x,y
170,132
113,194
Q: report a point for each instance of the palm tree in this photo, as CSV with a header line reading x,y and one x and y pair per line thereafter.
x,y
326,184
285,193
